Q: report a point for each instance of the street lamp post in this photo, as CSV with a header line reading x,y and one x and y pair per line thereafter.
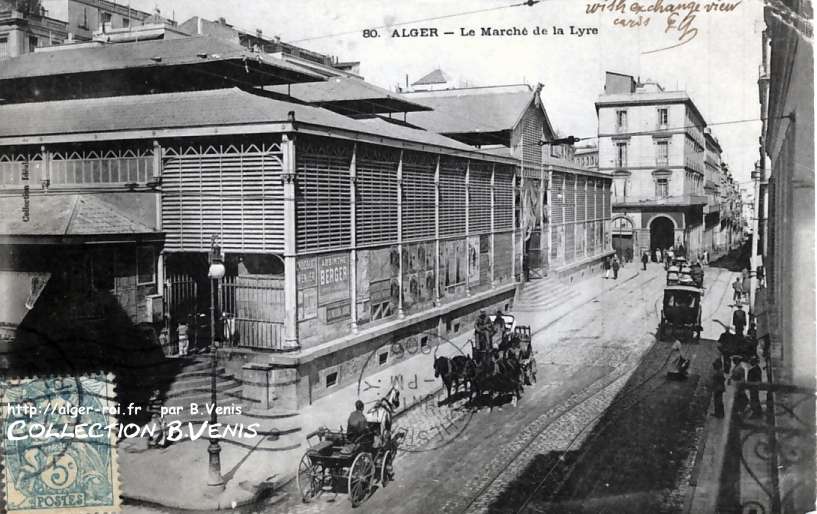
x,y
215,273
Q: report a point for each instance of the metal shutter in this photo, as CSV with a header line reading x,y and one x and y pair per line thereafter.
x,y
479,190
606,210
452,197
591,199
322,203
581,199
232,191
376,202
570,243
418,195
600,201
557,198
503,198
531,136
570,198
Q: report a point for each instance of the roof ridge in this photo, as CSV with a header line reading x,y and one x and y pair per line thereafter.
x,y
117,97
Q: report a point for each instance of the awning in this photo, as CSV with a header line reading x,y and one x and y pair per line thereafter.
x,y
19,291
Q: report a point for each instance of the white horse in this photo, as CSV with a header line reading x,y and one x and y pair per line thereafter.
x,y
382,411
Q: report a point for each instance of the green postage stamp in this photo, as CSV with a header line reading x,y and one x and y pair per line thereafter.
x,y
59,444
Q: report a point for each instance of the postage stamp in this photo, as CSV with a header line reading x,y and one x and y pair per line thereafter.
x,y
59,444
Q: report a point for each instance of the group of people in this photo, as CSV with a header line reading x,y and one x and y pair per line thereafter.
x,y
737,363
666,256
741,286
611,264
485,329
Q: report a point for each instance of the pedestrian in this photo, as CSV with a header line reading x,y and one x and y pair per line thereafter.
x,y
737,285
706,257
681,251
657,255
761,282
755,375
738,377
606,266
628,254
718,387
747,284
616,265
725,347
184,343
739,320
644,260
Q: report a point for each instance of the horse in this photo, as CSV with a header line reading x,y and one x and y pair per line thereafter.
x,y
452,371
498,373
381,413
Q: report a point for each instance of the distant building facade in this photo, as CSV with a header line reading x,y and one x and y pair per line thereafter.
x,y
652,141
85,17
26,27
587,156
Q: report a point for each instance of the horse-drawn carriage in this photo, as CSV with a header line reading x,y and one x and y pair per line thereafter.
x,y
338,462
681,310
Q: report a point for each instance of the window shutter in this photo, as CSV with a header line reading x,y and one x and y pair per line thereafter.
x,y
322,203
480,198
376,202
452,197
503,198
418,195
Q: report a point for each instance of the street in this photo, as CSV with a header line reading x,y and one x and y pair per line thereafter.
x,y
600,355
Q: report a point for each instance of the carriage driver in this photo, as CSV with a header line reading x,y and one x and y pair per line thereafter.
x,y
484,331
357,424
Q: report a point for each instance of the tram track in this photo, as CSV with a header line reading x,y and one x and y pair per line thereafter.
x,y
586,395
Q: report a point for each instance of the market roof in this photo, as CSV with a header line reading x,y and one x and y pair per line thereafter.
x,y
198,62
478,115
66,215
350,96
435,77
211,112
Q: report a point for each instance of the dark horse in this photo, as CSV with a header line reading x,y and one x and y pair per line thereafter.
x,y
452,371
500,374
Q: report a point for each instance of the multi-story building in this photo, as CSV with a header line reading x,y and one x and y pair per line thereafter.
x,y
26,27
587,156
322,64
653,143
86,17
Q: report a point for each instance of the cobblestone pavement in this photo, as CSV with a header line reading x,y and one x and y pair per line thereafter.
x,y
583,361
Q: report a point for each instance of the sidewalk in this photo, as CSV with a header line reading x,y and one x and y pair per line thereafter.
x,y
176,477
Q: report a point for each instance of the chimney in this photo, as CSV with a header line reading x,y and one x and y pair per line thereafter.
x,y
222,20
258,33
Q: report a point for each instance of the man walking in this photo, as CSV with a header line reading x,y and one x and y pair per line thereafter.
x,y
644,260
606,266
737,285
725,346
616,266
739,320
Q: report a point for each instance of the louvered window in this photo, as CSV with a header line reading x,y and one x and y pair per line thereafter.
x,y
322,201
557,198
479,190
581,199
570,198
232,191
600,201
15,169
418,195
376,202
503,198
607,214
452,197
570,243
591,199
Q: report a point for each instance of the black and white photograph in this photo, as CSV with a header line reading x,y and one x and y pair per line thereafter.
x,y
418,257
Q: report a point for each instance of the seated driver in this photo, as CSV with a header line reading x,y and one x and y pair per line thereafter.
x,y
357,425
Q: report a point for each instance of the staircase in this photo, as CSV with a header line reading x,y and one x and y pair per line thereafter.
x,y
543,294
188,381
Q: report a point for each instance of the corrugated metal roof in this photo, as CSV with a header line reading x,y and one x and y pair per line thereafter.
x,y
66,215
460,111
345,93
160,53
217,107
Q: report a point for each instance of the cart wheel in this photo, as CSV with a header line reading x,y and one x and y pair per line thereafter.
x,y
361,476
386,468
309,478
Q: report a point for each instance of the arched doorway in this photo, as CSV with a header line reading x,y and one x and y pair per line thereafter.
x,y
662,233
623,243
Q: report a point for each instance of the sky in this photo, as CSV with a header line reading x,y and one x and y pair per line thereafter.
x,y
718,67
